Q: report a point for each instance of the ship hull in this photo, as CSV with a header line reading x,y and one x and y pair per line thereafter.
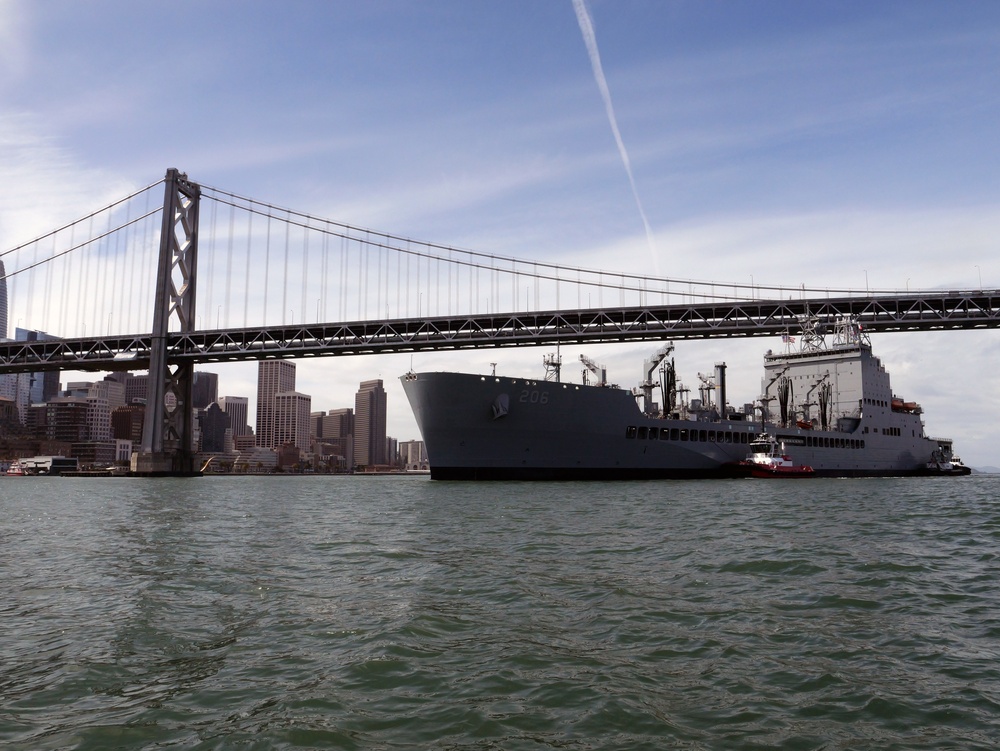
x,y
497,428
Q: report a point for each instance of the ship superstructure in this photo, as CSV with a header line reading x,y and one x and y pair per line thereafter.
x,y
830,406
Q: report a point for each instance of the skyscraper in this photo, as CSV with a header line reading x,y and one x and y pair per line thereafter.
x,y
44,385
291,419
204,389
273,377
369,424
237,407
214,424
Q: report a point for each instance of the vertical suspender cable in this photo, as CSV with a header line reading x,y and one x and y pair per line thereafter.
x,y
209,281
342,297
246,268
267,266
284,288
49,273
305,270
31,321
122,256
230,241
324,273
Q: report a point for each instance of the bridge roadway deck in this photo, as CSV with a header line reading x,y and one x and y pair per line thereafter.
x,y
925,311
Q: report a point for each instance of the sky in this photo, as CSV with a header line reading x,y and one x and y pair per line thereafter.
x,y
842,144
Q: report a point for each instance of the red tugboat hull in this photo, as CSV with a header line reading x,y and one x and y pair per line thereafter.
x,y
760,470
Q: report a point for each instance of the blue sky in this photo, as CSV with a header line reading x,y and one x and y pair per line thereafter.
x,y
826,144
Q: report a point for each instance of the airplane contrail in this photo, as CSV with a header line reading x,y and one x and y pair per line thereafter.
x,y
590,39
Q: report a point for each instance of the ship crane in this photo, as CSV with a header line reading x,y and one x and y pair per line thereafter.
x,y
806,403
598,370
705,389
667,381
766,398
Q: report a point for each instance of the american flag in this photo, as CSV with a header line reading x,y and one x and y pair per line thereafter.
x,y
787,339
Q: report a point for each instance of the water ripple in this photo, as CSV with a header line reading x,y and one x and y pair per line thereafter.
x,y
397,614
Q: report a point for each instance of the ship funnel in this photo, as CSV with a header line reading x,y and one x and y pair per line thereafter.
x,y
720,388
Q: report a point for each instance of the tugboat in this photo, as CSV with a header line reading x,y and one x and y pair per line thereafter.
x,y
943,462
766,460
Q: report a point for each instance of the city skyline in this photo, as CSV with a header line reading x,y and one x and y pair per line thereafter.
x,y
776,142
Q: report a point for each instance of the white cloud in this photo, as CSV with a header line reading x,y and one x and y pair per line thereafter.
x,y
13,53
43,184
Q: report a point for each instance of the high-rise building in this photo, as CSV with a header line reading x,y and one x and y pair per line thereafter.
x,y
333,434
237,407
273,377
127,422
291,420
17,388
42,385
102,397
65,419
369,424
214,423
204,389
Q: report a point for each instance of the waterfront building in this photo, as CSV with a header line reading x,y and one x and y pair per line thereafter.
x,y
244,443
413,455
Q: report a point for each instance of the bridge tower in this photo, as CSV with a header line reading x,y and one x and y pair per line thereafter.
x,y
168,432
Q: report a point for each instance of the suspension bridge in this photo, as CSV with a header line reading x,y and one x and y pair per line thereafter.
x,y
160,284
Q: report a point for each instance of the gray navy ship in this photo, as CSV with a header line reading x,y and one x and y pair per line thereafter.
x,y
829,405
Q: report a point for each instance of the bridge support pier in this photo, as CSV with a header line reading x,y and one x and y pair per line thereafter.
x,y
168,432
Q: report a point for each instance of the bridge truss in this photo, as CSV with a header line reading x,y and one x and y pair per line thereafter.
x,y
924,311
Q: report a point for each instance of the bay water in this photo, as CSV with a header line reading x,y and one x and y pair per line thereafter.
x,y
403,613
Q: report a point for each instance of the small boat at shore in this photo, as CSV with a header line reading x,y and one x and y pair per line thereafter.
x,y
768,459
16,469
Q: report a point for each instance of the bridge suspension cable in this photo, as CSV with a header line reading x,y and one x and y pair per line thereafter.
x,y
264,265
435,274
84,274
